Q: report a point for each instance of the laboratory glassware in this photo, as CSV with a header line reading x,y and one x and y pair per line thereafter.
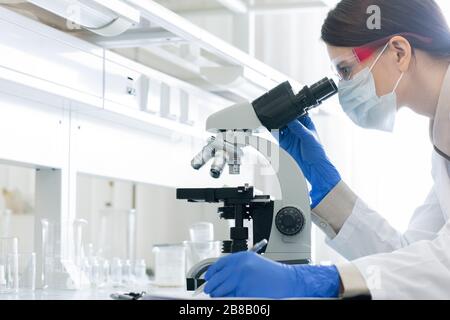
x,y
48,239
96,273
131,232
127,273
170,265
106,272
117,233
27,271
199,251
140,270
116,272
9,272
78,226
201,232
57,272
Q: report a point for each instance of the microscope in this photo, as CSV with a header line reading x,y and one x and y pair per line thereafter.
x,y
284,222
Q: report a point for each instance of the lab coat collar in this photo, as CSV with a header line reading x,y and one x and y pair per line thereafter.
x,y
441,123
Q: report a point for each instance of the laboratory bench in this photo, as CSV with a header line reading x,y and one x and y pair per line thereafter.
x,y
153,293
98,294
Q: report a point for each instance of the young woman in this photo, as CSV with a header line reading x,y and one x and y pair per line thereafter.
x,y
405,62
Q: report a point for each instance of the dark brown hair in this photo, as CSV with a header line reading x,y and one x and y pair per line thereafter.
x,y
346,25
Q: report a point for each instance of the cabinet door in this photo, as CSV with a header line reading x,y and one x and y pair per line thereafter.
x,y
33,133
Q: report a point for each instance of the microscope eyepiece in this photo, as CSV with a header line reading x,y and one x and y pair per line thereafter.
x,y
280,106
323,89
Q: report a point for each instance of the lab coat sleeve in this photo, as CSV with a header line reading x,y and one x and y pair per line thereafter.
x,y
334,210
353,283
361,231
419,271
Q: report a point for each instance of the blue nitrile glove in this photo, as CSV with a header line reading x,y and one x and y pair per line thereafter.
x,y
301,141
247,274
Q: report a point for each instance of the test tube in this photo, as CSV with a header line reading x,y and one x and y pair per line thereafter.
x,y
106,272
116,272
9,265
27,271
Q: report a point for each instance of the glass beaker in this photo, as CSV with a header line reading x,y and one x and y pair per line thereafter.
x,y
52,265
201,232
9,264
170,265
199,251
117,233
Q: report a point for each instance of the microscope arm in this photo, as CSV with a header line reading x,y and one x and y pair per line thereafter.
x,y
294,194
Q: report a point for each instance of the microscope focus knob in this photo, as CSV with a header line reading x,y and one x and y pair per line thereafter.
x,y
289,221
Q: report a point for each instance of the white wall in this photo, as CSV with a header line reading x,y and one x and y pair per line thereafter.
x,y
290,42
445,6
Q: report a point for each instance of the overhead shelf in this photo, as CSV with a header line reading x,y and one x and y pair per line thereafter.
x,y
160,45
161,39
48,66
166,41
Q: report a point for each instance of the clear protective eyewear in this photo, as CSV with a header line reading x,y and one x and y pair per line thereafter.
x,y
345,65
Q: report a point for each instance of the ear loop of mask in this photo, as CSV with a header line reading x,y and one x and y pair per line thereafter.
x,y
378,58
398,82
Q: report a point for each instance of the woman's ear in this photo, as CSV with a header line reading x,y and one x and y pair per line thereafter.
x,y
402,50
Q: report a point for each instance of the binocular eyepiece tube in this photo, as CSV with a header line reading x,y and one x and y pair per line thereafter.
x,y
280,106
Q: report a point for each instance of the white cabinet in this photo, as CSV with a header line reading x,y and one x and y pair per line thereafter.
x,y
32,133
106,149
123,85
31,53
135,91
100,147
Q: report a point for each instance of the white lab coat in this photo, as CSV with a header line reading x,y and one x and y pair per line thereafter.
x,y
413,265
389,264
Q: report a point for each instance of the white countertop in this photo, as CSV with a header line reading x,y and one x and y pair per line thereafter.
x,y
98,294
153,292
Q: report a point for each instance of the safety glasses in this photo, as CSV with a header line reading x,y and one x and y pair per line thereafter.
x,y
344,66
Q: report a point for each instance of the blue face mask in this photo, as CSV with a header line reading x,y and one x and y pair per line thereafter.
x,y
359,100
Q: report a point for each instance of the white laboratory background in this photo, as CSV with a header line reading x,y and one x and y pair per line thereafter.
x,y
391,173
